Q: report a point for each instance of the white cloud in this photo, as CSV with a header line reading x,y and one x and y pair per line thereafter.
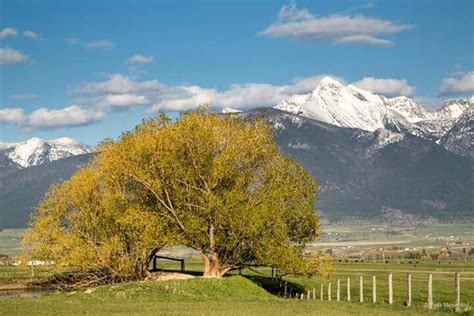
x,y
102,44
119,84
387,87
9,56
122,100
47,119
458,83
73,115
12,115
364,39
18,97
31,35
138,59
8,32
298,23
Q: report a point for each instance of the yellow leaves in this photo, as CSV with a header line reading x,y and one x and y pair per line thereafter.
x,y
321,263
168,183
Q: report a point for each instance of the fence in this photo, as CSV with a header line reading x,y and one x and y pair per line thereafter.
x,y
289,293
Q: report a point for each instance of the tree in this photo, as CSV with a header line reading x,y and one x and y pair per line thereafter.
x,y
223,186
91,224
218,184
320,263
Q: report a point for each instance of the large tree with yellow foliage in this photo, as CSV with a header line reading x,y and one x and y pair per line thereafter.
x,y
215,183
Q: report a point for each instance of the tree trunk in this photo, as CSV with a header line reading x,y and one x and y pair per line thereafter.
x,y
213,267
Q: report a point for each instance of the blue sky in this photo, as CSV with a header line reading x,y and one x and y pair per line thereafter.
x,y
92,69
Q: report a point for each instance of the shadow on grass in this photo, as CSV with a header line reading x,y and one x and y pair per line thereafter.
x,y
194,273
276,286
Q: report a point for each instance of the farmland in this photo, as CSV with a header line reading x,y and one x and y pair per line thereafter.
x,y
255,293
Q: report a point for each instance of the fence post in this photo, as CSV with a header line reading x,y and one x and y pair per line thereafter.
x,y
314,293
302,296
430,291
329,291
457,304
408,289
322,292
374,289
338,292
361,289
182,265
390,289
309,292
286,287
348,289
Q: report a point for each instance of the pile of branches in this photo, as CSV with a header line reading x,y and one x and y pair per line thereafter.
x,y
84,279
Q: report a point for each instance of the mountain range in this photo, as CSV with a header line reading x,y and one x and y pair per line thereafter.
x,y
351,107
374,157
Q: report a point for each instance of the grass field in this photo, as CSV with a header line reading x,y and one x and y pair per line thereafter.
x,y
229,296
256,293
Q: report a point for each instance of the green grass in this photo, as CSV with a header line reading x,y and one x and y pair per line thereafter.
x,y
256,294
12,274
10,241
229,296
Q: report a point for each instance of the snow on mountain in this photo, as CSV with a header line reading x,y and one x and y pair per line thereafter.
x,y
36,151
345,106
412,111
460,137
349,106
454,108
230,110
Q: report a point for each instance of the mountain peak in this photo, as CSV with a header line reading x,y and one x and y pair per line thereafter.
x,y
329,81
36,151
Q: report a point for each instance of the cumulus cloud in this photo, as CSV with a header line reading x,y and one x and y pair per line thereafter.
x,y
122,100
387,87
19,97
31,35
458,84
12,115
102,44
9,56
73,115
138,59
8,32
296,23
46,119
118,84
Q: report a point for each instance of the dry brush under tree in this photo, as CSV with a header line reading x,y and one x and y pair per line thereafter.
x,y
215,183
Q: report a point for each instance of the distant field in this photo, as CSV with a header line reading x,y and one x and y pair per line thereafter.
x,y
360,236
10,240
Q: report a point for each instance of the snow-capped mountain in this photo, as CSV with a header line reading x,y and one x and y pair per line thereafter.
x,y
351,107
411,110
36,151
344,106
460,137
